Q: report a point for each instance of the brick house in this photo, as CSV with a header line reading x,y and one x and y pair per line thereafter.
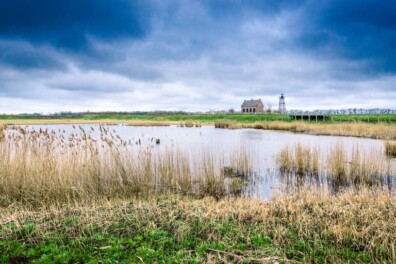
x,y
252,106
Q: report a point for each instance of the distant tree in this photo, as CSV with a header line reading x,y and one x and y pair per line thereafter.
x,y
231,111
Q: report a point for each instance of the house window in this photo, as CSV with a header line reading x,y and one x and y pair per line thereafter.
x,y
254,110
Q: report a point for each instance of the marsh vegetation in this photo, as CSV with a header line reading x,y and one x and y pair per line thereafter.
x,y
2,131
390,148
337,170
40,167
365,130
85,193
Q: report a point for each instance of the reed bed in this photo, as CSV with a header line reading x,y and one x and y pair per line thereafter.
x,y
148,123
299,159
39,167
339,168
227,124
369,168
377,131
190,124
390,148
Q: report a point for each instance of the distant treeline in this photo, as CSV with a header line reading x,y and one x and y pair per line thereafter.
x,y
89,114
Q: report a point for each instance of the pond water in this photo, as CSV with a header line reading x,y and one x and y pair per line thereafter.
x,y
263,146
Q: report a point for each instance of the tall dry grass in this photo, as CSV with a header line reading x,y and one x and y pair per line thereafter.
x,y
2,131
39,167
190,123
390,148
377,131
368,167
148,123
227,124
339,168
299,159
360,221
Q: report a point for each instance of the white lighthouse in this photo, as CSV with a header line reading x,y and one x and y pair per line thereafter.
x,y
282,106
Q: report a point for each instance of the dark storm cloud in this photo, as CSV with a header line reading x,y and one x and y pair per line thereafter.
x,y
67,24
24,56
221,8
353,29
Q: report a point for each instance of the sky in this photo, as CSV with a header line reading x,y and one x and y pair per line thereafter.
x,y
195,55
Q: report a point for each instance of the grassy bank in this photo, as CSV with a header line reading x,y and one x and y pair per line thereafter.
x,y
377,131
306,227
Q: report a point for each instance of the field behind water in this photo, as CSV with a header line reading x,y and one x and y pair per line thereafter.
x,y
204,118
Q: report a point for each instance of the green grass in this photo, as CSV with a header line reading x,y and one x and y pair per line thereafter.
x,y
244,118
382,118
134,237
192,117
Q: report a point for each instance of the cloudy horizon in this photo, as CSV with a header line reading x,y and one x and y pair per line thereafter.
x,y
195,55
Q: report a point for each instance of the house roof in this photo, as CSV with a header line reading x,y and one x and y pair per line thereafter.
x,y
251,103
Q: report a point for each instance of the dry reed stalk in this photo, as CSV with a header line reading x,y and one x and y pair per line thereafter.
x,y
2,131
241,162
390,148
299,159
337,169
369,167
